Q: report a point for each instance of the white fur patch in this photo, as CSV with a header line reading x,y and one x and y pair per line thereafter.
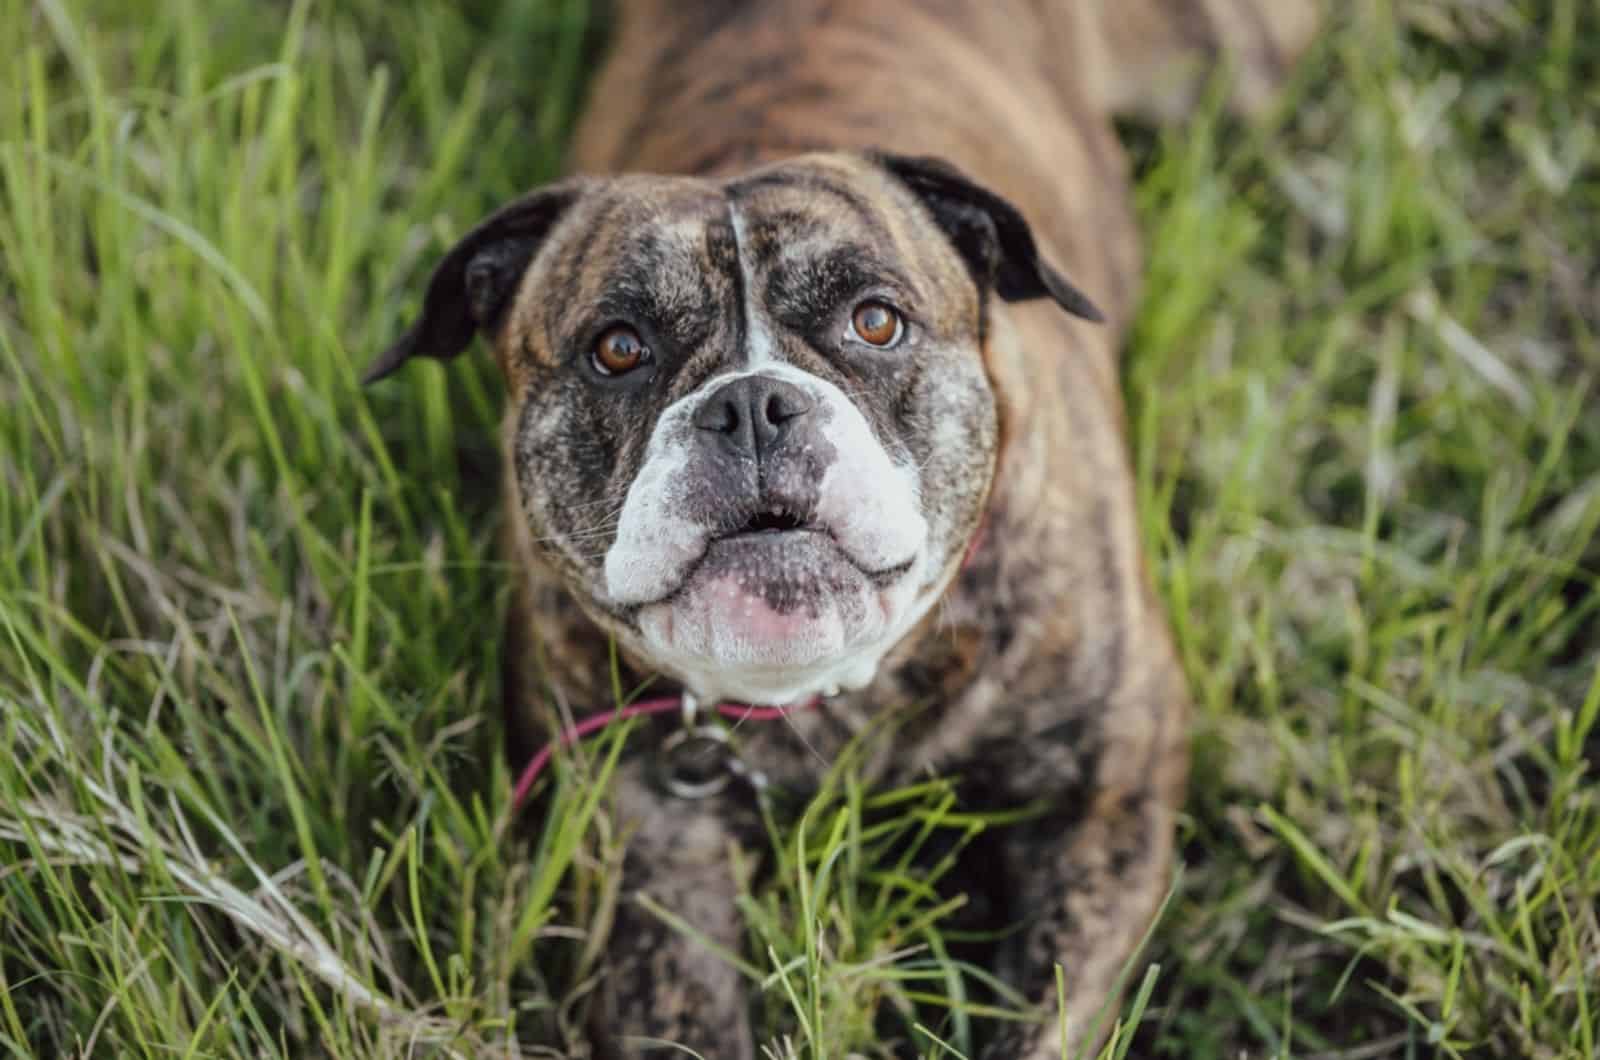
x,y
760,347
655,544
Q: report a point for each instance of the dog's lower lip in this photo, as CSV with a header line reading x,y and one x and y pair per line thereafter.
x,y
769,531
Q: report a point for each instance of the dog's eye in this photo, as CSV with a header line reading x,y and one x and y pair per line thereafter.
x,y
619,351
878,325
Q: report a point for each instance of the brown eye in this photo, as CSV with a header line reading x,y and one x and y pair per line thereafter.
x,y
619,351
877,325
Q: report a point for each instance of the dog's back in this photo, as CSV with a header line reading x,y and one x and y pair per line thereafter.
x,y
1015,92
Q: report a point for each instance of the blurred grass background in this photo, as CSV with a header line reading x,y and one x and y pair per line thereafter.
x,y
251,798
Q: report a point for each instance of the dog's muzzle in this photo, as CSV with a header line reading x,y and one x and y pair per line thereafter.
x,y
767,530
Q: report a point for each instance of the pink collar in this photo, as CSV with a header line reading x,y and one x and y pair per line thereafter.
x,y
736,712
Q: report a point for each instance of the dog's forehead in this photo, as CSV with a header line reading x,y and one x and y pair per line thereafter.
x,y
789,209
641,217
687,251
838,210
813,201
792,209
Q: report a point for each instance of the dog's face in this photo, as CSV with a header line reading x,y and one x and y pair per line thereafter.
x,y
750,421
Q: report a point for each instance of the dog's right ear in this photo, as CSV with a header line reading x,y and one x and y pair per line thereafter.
x,y
989,232
472,287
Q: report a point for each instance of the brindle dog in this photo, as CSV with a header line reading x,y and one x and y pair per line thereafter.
x,y
801,402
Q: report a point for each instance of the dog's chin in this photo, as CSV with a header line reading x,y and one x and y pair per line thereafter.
x,y
778,617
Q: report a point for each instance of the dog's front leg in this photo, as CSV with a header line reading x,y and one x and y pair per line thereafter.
x,y
1088,903
662,984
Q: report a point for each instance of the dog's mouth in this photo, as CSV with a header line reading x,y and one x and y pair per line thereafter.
x,y
774,540
774,519
775,535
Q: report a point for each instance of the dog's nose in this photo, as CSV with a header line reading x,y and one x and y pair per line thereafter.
x,y
751,415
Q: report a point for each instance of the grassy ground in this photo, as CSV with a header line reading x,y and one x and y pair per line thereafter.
x,y
251,803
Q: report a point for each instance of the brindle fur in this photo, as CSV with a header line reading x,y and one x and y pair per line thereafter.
x,y
1049,661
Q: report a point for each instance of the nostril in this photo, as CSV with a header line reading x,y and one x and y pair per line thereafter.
x,y
784,404
775,411
719,416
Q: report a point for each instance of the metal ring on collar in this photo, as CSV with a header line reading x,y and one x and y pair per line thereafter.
x,y
695,763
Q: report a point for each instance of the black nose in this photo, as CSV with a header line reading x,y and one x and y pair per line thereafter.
x,y
750,415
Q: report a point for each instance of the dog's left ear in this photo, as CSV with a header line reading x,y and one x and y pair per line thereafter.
x,y
990,233
472,287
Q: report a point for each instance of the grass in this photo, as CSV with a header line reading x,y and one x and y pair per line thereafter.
x,y
250,799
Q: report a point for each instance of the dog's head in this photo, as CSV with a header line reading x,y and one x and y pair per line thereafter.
x,y
750,422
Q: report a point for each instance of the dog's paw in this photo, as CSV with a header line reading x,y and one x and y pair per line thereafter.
x,y
667,989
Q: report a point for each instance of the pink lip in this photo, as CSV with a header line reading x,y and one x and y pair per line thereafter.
x,y
755,619
718,619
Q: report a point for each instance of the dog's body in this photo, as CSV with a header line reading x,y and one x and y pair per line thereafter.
x,y
992,453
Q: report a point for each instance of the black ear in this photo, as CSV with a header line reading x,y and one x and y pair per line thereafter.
x,y
991,235
472,287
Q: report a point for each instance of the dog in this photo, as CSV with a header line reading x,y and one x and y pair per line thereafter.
x,y
813,396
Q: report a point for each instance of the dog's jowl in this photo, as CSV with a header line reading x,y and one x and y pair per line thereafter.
x,y
812,399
